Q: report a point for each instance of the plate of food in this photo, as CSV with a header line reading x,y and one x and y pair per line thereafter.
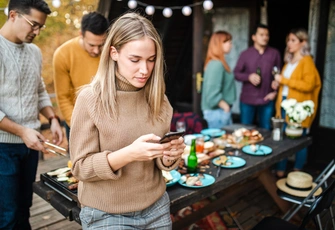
x,y
257,150
242,137
171,177
229,162
196,180
213,132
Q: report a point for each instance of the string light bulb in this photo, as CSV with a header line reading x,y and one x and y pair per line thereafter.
x,y
208,4
6,11
150,10
56,3
132,4
167,12
186,10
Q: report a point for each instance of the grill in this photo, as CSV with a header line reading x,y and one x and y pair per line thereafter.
x,y
60,187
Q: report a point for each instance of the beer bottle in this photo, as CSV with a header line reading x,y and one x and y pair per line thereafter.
x,y
192,160
258,71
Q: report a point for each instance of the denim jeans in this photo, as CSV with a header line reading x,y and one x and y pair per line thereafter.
x,y
67,131
18,166
264,114
300,156
217,118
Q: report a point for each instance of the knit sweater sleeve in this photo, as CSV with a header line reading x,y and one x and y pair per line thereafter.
x,y
304,78
2,72
213,81
167,114
89,163
43,97
62,81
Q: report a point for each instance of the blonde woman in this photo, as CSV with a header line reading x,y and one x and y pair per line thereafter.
x,y
218,90
299,80
117,122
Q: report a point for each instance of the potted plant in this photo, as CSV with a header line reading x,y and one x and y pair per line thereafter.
x,y
297,112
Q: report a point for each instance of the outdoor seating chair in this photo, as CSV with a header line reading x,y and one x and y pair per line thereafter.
x,y
321,203
299,202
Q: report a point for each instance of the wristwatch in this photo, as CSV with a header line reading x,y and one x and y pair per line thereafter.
x,y
52,117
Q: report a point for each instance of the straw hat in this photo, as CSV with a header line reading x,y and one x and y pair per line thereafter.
x,y
298,184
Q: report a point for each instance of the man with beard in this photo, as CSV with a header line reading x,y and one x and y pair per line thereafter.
x,y
254,69
22,98
76,61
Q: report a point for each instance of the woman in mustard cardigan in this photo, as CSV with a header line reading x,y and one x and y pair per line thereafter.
x,y
300,80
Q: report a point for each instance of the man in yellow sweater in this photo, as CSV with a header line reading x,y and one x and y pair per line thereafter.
x,y
76,61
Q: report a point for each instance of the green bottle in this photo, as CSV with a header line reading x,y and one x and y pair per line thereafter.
x,y
258,71
192,160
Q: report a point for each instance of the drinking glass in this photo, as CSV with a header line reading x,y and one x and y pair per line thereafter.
x,y
237,152
238,137
275,70
180,126
200,144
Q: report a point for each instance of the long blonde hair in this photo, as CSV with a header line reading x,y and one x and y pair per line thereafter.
x,y
215,51
127,28
302,36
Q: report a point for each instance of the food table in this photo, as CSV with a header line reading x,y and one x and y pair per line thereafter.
x,y
180,196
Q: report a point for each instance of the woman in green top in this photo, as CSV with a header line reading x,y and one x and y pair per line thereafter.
x,y
218,90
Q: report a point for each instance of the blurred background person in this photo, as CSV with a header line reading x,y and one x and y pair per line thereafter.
x,y
257,96
218,89
22,98
76,62
300,80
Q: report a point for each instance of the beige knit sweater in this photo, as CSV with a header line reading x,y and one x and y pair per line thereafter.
x,y
94,134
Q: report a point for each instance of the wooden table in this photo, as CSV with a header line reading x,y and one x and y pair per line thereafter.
x,y
180,196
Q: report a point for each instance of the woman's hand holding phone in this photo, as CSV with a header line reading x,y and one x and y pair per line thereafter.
x,y
171,136
176,149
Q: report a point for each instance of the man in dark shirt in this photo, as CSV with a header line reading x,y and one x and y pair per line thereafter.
x,y
257,96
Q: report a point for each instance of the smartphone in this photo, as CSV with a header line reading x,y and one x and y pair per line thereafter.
x,y
171,136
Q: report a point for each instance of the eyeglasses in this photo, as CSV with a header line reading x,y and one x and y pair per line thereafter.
x,y
34,26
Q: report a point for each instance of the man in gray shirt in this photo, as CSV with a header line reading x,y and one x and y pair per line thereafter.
x,y
22,98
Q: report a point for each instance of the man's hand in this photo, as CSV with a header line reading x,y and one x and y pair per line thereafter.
x,y
224,105
270,96
32,139
57,133
278,78
255,79
274,85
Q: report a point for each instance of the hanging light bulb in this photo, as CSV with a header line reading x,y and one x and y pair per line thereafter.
x,y
186,10
56,3
6,11
132,4
167,12
208,4
150,10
